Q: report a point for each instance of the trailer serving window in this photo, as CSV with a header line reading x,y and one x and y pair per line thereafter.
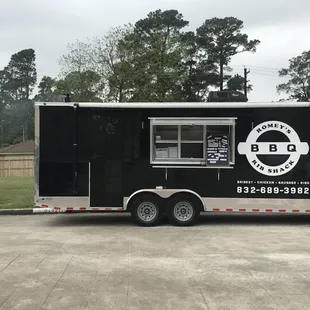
x,y
208,142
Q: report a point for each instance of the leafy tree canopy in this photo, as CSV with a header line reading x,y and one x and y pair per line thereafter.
x,y
237,83
23,74
298,74
83,86
222,38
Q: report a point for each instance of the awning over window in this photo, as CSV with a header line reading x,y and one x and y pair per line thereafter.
x,y
193,121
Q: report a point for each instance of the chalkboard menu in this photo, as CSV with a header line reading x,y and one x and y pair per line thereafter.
x,y
217,150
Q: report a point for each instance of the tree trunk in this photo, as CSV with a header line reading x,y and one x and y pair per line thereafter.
x,y
221,73
190,84
305,91
120,97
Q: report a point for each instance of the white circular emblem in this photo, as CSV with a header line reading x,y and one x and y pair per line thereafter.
x,y
251,148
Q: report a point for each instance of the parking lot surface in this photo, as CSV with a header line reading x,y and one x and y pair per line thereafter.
x,y
104,261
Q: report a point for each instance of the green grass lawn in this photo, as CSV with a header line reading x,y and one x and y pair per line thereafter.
x,y
16,192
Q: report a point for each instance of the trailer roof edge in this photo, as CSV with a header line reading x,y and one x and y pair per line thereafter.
x,y
166,105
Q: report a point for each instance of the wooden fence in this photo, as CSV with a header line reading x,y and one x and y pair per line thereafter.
x,y
18,165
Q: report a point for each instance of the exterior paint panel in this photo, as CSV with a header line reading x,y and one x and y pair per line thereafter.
x,y
270,171
223,205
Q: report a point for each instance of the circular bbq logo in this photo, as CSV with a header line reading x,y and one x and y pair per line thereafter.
x,y
293,149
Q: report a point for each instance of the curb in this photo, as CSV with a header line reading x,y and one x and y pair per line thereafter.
x,y
26,211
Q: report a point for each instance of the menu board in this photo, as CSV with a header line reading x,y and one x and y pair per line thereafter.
x,y
217,150
166,152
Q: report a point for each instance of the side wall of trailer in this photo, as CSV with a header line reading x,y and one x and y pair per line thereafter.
x,y
271,168
63,170
61,178
76,144
222,181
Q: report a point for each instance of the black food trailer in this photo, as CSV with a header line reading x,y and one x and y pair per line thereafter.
x,y
172,159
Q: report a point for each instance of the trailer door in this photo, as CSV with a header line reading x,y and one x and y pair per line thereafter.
x,y
106,182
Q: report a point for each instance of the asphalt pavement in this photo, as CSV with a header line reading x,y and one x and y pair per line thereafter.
x,y
104,261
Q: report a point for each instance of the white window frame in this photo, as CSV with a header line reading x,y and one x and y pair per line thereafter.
x,y
179,121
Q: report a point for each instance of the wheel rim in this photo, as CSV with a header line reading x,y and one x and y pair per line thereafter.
x,y
183,211
147,211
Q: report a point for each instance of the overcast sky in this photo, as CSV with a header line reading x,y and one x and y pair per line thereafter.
x,y
48,26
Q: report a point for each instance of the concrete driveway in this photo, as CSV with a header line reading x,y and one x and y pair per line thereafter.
x,y
103,261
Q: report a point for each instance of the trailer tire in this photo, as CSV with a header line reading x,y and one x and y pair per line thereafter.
x,y
146,210
183,210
